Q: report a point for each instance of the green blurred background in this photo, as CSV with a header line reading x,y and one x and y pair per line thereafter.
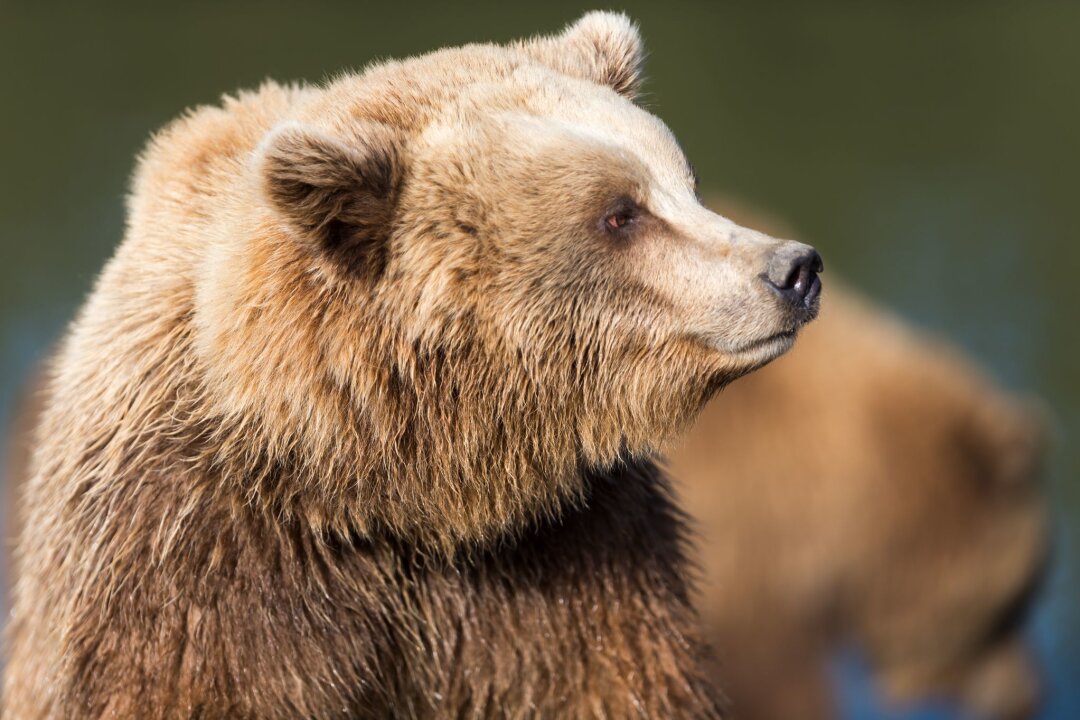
x,y
929,149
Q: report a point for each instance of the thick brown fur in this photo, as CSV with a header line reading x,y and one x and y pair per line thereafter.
x,y
798,621
358,420
873,490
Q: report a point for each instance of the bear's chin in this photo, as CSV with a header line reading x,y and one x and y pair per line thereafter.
x,y
759,352
726,361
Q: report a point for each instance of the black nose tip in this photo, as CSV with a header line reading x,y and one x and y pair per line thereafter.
x,y
793,274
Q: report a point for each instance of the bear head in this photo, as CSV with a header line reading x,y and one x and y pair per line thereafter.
x,y
456,282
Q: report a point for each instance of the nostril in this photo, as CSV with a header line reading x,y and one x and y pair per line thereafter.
x,y
793,271
806,272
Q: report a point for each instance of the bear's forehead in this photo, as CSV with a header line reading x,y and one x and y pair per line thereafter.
x,y
449,94
536,109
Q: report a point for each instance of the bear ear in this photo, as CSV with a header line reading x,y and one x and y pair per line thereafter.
x,y
339,194
604,47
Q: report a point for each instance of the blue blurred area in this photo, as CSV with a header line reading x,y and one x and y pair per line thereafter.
x,y
859,699
930,150
1056,653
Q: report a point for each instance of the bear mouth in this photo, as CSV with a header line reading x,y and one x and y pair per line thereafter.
x,y
768,347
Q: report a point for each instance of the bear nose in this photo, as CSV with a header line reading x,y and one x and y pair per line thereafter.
x,y
793,273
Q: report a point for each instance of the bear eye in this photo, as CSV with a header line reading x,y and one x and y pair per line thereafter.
x,y
622,214
618,220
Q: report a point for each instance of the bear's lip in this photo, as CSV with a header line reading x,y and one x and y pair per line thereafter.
x,y
779,342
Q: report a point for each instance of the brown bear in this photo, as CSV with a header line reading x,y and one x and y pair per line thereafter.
x,y
872,489
359,421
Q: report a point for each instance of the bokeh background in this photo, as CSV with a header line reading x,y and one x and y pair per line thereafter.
x,y
931,150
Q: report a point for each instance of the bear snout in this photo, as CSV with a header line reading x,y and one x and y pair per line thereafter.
x,y
792,273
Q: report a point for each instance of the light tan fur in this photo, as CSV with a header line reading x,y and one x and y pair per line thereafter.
x,y
359,419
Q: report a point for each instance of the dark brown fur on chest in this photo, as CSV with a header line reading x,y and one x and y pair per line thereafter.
x,y
586,615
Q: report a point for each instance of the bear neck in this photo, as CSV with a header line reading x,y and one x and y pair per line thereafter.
x,y
444,446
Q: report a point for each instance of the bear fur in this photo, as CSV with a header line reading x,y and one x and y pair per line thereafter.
x,y
872,490
996,680
359,421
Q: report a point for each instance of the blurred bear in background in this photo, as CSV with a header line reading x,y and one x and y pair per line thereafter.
x,y
872,491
